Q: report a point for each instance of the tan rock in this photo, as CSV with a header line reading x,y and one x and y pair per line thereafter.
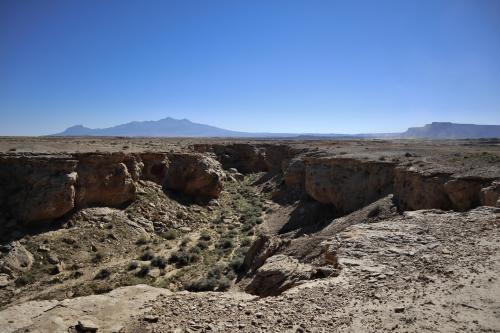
x,y
104,180
348,184
194,175
279,273
490,196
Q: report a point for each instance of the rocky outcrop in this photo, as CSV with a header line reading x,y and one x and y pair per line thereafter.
x,y
37,187
419,190
104,179
279,273
154,167
294,173
348,184
14,259
194,175
249,158
490,195
46,187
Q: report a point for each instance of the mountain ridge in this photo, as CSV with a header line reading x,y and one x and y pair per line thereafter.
x,y
170,127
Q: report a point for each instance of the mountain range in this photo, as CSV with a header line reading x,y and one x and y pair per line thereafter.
x,y
170,127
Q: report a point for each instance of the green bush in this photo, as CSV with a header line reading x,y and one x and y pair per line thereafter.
x,y
205,236
170,234
183,258
103,274
159,262
97,257
148,255
203,244
245,242
133,265
142,240
143,271
225,243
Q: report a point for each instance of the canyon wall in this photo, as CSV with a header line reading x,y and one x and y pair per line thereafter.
x,y
46,187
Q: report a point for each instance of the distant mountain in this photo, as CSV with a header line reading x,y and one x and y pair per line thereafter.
x,y
170,127
445,130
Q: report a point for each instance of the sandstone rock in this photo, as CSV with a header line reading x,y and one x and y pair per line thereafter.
x,y
104,180
490,196
348,184
85,325
194,175
279,273
106,311
16,260
463,193
294,173
154,167
244,157
39,188
415,190
4,280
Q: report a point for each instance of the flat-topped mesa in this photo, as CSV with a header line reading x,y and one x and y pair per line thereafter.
x,y
46,187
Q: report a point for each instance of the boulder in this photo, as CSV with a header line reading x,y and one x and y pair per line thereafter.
x,y
16,260
279,273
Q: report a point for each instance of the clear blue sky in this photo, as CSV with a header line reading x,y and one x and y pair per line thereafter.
x,y
281,66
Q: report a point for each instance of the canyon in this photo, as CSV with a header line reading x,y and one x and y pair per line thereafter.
x,y
200,235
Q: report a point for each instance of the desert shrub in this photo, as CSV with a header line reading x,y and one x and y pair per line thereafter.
x,y
203,244
159,262
97,257
147,255
242,251
237,264
183,258
170,234
245,242
142,240
133,265
143,271
205,235
225,243
215,280
26,278
223,284
103,274
185,241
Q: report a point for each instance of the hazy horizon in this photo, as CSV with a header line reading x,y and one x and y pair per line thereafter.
x,y
281,66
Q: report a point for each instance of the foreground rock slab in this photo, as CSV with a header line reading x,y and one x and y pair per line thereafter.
x,y
102,313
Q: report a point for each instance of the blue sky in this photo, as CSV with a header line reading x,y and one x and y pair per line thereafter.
x,y
276,66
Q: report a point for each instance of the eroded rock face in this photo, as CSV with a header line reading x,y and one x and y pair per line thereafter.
x,y
104,180
490,196
195,175
294,173
348,184
463,193
15,260
38,188
279,273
